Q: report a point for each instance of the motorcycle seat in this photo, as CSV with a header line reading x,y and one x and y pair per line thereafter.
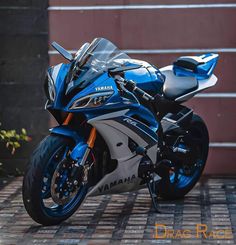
x,y
175,86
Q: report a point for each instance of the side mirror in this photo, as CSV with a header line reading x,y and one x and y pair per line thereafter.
x,y
67,55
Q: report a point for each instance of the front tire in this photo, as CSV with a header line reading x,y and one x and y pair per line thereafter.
x,y
37,182
172,187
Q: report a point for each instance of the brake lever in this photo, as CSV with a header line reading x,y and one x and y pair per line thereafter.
x,y
121,82
119,79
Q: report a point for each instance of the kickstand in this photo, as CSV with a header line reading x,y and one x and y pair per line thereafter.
x,y
152,191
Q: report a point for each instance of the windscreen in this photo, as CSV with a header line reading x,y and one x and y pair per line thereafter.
x,y
97,58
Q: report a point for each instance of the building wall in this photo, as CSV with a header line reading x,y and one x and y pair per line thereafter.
x,y
159,34
23,62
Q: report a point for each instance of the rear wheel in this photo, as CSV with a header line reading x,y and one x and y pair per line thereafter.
x,y
177,182
50,193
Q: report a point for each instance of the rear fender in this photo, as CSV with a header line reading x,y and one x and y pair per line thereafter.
x,y
80,146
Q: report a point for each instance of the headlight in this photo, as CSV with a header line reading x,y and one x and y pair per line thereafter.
x,y
51,88
91,100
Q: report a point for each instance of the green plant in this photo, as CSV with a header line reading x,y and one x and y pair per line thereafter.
x,y
13,139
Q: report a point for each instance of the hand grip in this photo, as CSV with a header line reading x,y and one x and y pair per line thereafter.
x,y
131,86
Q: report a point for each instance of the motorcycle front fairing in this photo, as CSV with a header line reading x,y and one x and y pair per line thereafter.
x,y
115,103
119,118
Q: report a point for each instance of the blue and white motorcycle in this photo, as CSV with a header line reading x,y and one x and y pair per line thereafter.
x,y
122,127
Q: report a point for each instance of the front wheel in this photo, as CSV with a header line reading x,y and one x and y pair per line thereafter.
x,y
178,181
50,195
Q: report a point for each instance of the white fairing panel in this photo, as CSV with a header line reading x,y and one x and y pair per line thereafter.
x,y
113,136
202,84
125,176
55,72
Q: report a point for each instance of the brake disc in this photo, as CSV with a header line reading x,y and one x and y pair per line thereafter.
x,y
63,188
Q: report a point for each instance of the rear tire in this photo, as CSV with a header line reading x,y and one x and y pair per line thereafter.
x,y
169,190
33,183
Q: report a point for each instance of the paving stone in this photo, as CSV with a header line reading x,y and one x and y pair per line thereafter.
x,y
124,218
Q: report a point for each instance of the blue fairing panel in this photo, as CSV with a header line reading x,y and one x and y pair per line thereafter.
x,y
147,78
67,132
200,67
80,147
58,74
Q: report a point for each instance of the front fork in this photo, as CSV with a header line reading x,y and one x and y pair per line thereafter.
x,y
81,151
90,145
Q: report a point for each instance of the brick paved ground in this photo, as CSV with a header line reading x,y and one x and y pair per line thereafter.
x,y
124,219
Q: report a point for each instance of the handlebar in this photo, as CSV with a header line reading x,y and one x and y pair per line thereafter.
x,y
131,86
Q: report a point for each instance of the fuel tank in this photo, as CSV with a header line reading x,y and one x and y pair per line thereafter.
x,y
147,76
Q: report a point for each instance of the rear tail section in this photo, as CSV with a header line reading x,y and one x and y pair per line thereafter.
x,y
188,76
200,67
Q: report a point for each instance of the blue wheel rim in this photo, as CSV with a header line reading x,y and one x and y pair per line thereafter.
x,y
183,180
56,210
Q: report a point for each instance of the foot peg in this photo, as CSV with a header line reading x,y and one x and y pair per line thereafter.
x,y
151,184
